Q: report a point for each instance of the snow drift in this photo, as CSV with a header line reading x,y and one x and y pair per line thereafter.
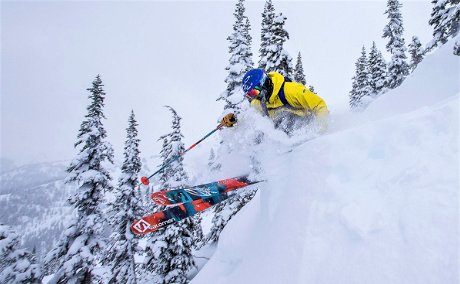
x,y
373,201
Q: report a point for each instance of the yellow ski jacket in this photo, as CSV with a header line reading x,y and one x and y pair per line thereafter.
x,y
302,101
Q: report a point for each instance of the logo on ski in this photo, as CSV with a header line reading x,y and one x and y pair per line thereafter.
x,y
141,226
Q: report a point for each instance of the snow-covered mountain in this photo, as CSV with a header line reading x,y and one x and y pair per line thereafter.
x,y
375,200
33,201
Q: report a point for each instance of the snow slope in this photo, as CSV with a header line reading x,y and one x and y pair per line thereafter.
x,y
376,200
33,201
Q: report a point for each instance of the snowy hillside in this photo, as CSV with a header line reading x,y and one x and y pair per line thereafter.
x,y
373,201
33,201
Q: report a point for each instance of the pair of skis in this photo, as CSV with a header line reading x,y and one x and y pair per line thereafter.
x,y
187,202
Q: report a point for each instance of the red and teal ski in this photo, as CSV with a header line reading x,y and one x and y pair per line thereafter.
x,y
211,194
158,220
183,195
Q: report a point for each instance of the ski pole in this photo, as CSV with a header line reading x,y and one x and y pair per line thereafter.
x,y
146,180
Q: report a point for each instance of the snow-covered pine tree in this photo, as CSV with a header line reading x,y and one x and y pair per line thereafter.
x,y
172,248
173,147
78,252
213,165
165,154
124,209
179,177
277,58
240,59
416,53
16,265
361,90
445,20
265,35
457,49
454,17
398,68
377,71
173,257
299,75
439,30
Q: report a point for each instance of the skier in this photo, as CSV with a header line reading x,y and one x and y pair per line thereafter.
x,y
290,104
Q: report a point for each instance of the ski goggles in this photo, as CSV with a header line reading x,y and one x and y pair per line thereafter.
x,y
254,92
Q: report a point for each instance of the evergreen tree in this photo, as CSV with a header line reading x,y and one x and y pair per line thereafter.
x,y
172,249
439,30
361,90
174,175
213,164
240,58
78,251
277,58
173,254
166,154
266,33
124,210
415,51
445,20
377,71
398,68
299,75
16,265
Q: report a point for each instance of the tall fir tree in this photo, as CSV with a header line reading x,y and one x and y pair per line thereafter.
x,y
377,70
398,68
78,252
445,20
240,59
172,249
361,89
277,58
165,154
174,175
266,33
124,209
16,265
299,75
416,53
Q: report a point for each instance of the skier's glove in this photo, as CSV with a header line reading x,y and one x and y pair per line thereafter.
x,y
229,120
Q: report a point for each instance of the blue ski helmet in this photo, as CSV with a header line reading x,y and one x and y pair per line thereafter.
x,y
252,79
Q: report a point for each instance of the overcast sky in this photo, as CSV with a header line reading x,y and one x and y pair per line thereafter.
x,y
150,54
